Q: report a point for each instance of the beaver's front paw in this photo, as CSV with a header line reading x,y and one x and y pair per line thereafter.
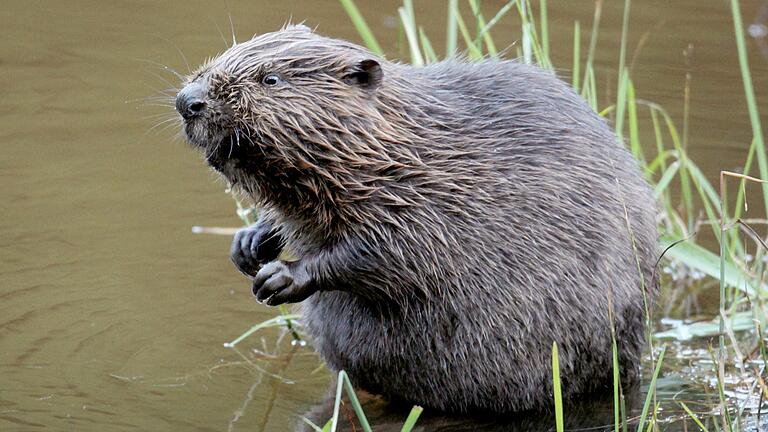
x,y
255,246
282,282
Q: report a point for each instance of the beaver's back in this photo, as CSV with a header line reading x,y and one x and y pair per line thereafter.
x,y
482,93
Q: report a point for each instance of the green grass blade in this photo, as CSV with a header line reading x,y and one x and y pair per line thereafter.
x,y
665,179
651,390
588,69
337,401
576,56
749,92
429,53
355,402
314,427
685,181
490,46
556,389
741,196
246,214
543,23
286,312
708,192
717,364
708,263
530,36
658,136
693,417
328,426
361,26
723,249
487,28
475,51
607,111
411,34
589,91
623,80
451,38
343,383
410,422
272,322
616,382
621,102
659,163
707,195
634,134
527,54
624,36
593,87
624,416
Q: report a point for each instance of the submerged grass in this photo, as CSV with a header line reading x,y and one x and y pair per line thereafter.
x,y
680,187
343,383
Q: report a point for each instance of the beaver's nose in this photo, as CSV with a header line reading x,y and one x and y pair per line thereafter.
x,y
190,102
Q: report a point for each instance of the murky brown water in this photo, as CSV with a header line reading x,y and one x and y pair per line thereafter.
x,y
112,313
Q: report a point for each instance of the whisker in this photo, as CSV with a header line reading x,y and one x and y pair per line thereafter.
x,y
226,44
166,127
170,106
170,98
168,102
172,87
163,96
169,95
162,116
232,26
164,122
178,49
216,149
153,99
248,137
160,128
163,67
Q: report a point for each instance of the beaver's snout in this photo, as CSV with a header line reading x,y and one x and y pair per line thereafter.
x,y
190,102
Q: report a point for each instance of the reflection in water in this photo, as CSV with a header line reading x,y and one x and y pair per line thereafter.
x,y
277,366
759,29
113,315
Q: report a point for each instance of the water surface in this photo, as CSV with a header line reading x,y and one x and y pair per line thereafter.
x,y
112,313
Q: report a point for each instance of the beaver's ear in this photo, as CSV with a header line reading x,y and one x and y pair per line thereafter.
x,y
365,73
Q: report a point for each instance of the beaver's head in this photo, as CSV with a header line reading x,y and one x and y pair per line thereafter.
x,y
282,103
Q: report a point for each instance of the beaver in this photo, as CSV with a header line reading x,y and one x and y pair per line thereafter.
x,y
449,222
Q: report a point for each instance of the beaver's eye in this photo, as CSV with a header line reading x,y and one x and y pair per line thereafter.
x,y
271,80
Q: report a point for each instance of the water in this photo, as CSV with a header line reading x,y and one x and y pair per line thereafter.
x,y
113,314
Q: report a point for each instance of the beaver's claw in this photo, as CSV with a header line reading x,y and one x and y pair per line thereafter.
x,y
255,246
281,282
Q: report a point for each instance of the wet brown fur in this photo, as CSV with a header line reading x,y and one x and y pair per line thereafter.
x,y
455,219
